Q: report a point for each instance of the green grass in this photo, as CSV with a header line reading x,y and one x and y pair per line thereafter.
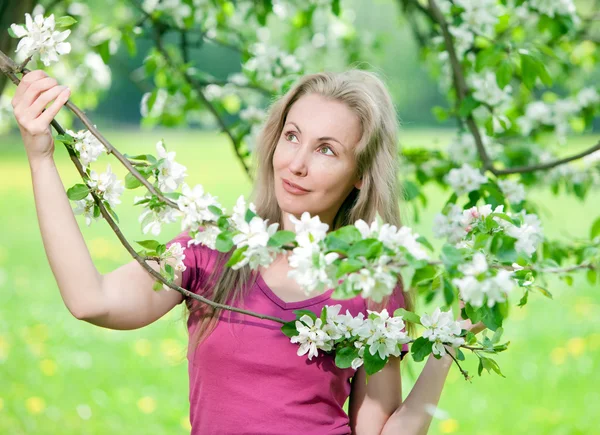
x,y
61,375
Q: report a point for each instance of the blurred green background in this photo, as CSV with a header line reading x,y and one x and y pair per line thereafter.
x,y
61,375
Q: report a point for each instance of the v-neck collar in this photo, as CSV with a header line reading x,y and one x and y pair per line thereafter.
x,y
291,305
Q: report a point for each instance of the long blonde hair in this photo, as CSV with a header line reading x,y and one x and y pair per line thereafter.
x,y
377,160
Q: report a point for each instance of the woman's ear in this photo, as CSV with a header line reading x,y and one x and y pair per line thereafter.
x,y
358,184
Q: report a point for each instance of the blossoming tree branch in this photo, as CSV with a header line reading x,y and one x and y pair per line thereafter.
x,y
493,71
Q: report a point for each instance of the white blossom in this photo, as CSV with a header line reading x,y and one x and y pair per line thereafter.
x,y
486,89
255,235
311,337
465,179
194,203
39,36
311,268
512,190
86,207
176,252
109,186
88,146
308,230
442,328
170,173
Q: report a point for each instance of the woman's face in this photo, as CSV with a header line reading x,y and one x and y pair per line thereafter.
x,y
316,152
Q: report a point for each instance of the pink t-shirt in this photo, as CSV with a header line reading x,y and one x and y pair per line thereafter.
x,y
246,377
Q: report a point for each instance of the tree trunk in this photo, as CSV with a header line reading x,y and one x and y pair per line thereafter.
x,y
11,11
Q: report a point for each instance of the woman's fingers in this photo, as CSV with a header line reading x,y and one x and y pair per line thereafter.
x,y
33,92
42,101
49,114
26,81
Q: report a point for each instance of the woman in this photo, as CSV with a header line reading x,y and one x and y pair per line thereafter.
x,y
329,147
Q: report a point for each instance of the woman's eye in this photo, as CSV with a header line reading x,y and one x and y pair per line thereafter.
x,y
329,148
288,135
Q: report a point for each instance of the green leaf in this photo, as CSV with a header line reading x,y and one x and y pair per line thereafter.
x,y
103,50
595,230
78,192
411,190
420,348
64,22
224,241
131,182
451,256
300,313
592,276
144,157
504,73
523,300
407,316
529,70
161,248
334,243
373,363
489,364
289,329
497,335
111,211
489,58
67,139
423,241
148,244
348,265
348,234
215,210
236,256
448,292
544,291
368,248
345,356
11,33
97,211
467,105
281,238
249,215
335,7
158,285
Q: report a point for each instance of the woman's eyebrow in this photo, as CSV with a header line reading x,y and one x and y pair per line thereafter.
x,y
321,138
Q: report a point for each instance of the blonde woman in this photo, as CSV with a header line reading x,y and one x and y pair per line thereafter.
x,y
328,147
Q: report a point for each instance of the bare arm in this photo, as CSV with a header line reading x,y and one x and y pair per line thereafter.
x,y
122,299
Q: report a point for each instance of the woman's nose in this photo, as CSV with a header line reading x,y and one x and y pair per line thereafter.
x,y
299,162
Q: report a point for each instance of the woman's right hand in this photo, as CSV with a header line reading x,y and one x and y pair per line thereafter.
x,y
33,94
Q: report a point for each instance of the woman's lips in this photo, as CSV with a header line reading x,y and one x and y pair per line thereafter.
x,y
293,189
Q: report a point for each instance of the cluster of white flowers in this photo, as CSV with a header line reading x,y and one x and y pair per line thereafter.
x,y
558,113
170,173
152,218
108,188
393,238
457,223
271,66
311,268
173,104
175,251
462,149
442,328
465,179
177,9
255,235
39,36
194,205
554,8
513,191
88,146
478,284
485,89
380,332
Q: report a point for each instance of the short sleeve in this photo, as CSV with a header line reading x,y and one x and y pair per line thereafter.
x,y
197,262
